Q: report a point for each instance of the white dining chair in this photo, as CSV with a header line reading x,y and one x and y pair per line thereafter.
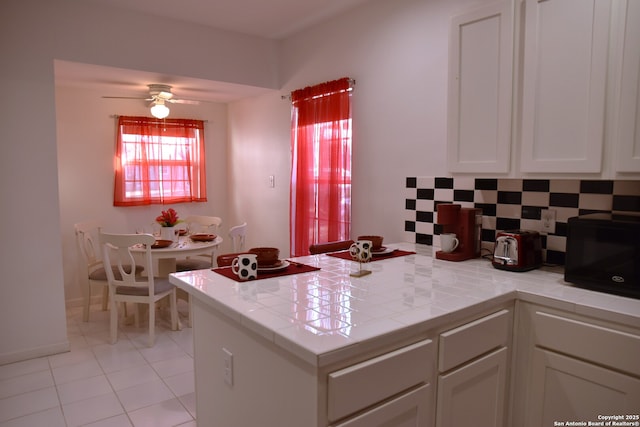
x,y
91,272
129,287
203,224
199,224
238,234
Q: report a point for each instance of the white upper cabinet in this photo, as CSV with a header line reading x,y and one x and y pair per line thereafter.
x,y
627,156
555,91
480,89
566,45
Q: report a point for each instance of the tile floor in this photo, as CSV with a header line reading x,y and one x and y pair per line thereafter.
x,y
102,385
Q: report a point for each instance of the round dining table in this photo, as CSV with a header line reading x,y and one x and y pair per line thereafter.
x,y
182,248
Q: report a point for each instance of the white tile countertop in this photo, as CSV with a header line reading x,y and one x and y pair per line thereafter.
x,y
325,314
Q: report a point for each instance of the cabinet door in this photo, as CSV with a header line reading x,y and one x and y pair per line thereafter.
x,y
474,395
480,87
565,74
564,388
412,409
628,146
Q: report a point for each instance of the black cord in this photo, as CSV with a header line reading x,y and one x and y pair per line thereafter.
x,y
488,255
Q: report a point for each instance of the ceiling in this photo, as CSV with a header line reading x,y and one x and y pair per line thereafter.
x,y
273,19
111,81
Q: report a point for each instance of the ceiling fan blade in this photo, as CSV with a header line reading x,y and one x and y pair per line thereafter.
x,y
183,101
127,97
159,93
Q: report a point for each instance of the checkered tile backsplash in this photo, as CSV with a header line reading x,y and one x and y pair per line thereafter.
x,y
509,204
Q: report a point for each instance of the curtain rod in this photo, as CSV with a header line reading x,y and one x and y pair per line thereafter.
x,y
352,83
116,116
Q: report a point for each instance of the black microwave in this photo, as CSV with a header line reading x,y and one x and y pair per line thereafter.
x,y
603,253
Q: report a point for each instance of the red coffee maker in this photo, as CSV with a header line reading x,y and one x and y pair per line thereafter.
x,y
466,223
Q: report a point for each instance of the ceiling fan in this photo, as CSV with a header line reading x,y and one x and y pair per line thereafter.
x,y
159,94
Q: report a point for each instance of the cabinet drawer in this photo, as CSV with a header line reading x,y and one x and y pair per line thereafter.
x,y
364,384
413,407
605,346
473,339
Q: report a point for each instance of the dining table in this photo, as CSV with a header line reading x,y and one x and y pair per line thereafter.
x,y
184,246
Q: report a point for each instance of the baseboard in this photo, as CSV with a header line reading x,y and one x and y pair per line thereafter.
x,y
72,303
78,302
46,350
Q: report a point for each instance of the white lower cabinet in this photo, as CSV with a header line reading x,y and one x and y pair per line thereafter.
x,y
575,368
475,393
397,389
566,388
565,367
391,390
474,365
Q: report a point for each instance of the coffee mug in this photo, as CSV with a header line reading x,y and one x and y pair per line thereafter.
x,y
448,242
361,250
245,266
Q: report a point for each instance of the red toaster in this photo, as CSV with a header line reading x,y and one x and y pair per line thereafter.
x,y
517,250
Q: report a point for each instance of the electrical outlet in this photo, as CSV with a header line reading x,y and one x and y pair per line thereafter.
x,y
227,358
548,219
272,181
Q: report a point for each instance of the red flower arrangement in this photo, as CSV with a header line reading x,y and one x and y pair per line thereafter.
x,y
168,218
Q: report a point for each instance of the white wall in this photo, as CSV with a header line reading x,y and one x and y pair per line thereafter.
x,y
259,146
33,33
397,51
86,144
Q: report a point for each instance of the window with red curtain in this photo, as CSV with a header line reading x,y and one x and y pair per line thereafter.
x,y
159,161
321,165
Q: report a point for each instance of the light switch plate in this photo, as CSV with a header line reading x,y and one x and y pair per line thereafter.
x,y
548,219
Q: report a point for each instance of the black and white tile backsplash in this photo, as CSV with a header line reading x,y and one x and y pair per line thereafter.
x,y
509,204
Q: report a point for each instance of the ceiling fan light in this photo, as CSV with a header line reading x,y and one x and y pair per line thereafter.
x,y
159,110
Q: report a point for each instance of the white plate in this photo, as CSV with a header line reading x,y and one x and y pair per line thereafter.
x,y
279,267
385,251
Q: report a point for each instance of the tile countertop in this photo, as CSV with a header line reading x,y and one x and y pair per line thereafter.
x,y
326,314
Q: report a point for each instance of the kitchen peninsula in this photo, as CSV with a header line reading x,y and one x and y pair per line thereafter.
x,y
324,348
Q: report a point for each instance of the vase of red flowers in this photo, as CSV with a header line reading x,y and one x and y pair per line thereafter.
x,y
168,220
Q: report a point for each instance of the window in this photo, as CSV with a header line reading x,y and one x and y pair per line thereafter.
x,y
321,165
159,161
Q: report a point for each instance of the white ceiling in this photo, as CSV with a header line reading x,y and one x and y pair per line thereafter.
x,y
272,19
111,81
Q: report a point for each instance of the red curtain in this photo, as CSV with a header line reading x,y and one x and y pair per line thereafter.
x,y
321,165
159,161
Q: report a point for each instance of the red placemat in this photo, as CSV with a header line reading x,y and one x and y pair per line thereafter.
x,y
292,268
394,254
